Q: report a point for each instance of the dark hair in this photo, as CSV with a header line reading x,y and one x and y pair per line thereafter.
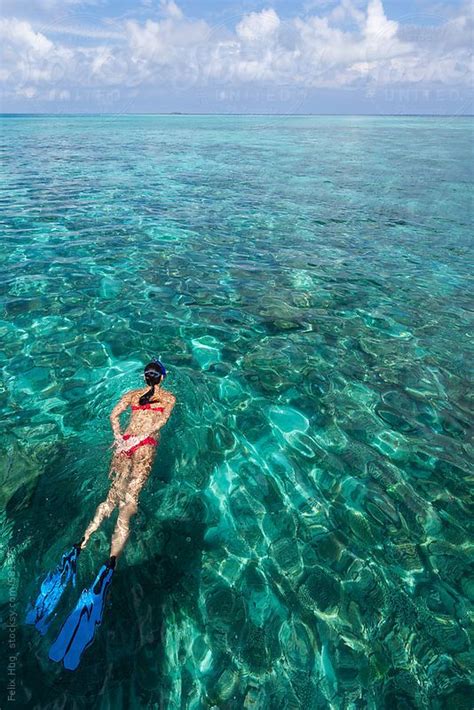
x,y
154,373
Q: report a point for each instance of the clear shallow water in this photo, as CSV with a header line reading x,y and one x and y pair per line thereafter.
x,y
304,541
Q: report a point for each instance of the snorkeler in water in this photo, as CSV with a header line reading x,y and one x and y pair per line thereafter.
x,y
130,468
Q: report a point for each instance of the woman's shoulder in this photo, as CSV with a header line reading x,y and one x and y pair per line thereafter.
x,y
163,395
133,394
167,396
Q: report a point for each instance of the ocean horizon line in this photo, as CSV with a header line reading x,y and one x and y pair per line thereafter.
x,y
198,113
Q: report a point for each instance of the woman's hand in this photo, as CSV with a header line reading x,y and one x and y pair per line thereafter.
x,y
119,444
124,445
117,439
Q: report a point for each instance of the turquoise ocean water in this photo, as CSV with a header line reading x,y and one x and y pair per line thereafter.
x,y
305,538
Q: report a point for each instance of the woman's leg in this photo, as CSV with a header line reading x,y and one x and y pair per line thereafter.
x,y
142,460
120,466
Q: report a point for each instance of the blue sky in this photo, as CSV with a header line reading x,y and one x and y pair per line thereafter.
x,y
311,56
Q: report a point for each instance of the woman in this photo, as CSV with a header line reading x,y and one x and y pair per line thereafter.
x,y
134,453
131,465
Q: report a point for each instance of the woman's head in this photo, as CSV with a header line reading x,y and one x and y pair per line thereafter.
x,y
154,373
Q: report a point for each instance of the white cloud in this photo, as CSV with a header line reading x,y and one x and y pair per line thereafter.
x,y
63,29
20,34
258,26
339,45
166,41
170,8
377,25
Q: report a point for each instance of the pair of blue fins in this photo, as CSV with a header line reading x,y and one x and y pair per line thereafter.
x,y
77,632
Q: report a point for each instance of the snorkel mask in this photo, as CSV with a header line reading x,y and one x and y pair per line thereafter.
x,y
160,368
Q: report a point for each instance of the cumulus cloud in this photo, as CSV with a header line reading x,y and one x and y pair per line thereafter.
x,y
376,24
19,34
258,26
335,46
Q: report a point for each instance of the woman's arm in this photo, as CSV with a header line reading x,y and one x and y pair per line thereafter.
x,y
169,404
116,411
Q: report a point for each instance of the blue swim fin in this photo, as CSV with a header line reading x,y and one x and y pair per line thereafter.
x,y
78,630
52,588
